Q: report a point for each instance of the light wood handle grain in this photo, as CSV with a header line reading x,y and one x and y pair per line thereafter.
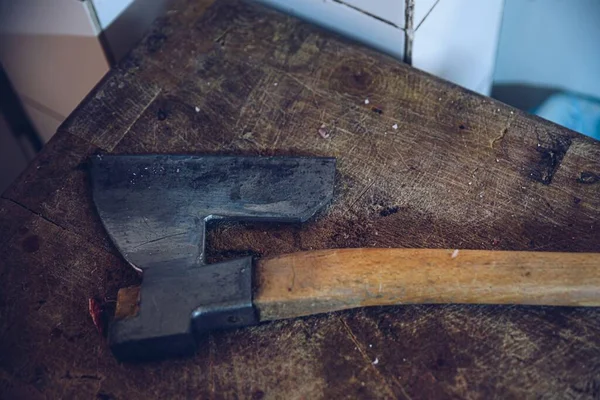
x,y
314,282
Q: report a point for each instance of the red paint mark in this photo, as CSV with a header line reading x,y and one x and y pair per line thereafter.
x,y
96,311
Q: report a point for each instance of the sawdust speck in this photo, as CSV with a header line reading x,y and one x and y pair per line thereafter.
x,y
323,131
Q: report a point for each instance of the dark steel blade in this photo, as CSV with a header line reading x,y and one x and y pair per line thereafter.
x,y
155,210
154,207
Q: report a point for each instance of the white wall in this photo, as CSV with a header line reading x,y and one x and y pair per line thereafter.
x,y
348,22
107,11
43,17
52,56
457,41
553,43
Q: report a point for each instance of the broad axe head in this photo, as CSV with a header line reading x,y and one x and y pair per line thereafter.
x,y
155,210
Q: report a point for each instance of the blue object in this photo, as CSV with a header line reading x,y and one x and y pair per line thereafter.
x,y
581,114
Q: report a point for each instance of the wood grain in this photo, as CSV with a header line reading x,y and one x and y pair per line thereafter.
x,y
128,302
460,171
315,282
312,282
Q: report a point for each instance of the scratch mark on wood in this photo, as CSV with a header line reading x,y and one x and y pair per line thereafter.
x,y
369,186
502,134
222,35
498,138
34,212
368,361
313,92
142,111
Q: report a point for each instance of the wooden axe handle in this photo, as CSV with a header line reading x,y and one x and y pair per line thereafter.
x,y
313,282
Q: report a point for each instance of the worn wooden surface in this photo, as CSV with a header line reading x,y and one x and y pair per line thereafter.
x,y
460,171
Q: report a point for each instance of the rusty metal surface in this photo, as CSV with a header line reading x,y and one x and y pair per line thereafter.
x,y
425,164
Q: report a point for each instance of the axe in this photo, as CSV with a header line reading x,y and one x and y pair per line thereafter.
x,y
155,209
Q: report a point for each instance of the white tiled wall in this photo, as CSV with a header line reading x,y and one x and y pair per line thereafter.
x,y
392,11
346,21
457,41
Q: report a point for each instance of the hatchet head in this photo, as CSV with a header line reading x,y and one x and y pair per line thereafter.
x,y
155,209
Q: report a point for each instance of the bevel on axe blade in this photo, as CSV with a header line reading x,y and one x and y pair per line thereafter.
x,y
155,208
